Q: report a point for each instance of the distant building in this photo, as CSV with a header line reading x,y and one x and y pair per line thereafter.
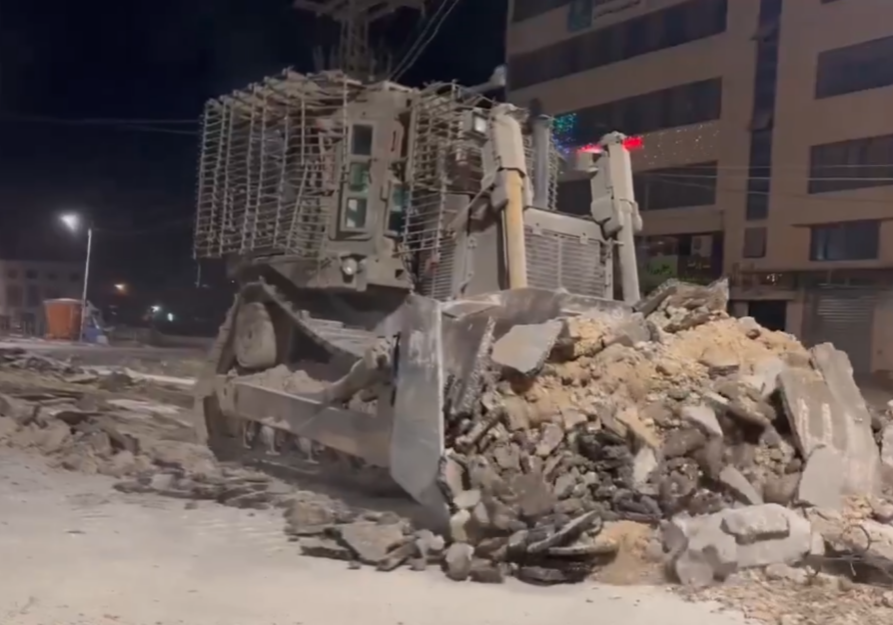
x,y
25,285
768,145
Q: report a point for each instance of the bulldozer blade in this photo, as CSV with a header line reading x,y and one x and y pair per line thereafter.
x,y
532,305
417,437
356,433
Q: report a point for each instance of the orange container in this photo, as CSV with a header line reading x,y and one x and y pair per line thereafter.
x,y
63,319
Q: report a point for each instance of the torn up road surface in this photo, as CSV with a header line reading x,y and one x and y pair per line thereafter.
x,y
75,552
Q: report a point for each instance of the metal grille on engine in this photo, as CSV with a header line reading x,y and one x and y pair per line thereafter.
x,y
556,260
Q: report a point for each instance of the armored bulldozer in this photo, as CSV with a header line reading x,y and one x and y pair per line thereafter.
x,y
382,238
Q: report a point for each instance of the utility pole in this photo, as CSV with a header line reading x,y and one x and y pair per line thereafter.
x,y
355,17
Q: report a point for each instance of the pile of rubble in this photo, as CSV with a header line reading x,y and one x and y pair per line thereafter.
x,y
678,413
737,446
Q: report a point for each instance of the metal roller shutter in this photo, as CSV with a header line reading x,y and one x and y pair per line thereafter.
x,y
844,317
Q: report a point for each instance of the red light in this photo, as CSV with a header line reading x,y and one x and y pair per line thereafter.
x,y
633,143
591,148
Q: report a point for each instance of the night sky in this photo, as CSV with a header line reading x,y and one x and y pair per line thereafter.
x,y
160,60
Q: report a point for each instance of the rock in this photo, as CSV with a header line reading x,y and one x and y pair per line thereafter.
x,y
683,442
739,485
629,417
822,482
550,440
781,489
703,417
644,465
702,552
754,523
429,544
467,499
16,409
715,546
751,328
458,561
452,474
121,464
882,511
8,427
887,454
53,438
564,485
319,547
486,572
572,418
535,498
460,525
525,348
301,514
516,413
370,542
780,571
766,374
720,362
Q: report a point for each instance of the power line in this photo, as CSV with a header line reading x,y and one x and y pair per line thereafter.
x,y
799,196
434,25
164,226
146,125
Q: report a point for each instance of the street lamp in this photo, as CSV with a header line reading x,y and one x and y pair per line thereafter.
x,y
74,223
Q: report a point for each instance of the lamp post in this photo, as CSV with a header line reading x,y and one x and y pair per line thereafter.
x,y
74,223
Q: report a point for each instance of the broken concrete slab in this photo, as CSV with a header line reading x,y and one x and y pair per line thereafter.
x,y
818,419
740,486
822,482
371,542
712,547
525,348
704,417
887,454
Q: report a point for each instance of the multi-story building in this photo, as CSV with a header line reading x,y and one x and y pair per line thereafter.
x,y
768,144
25,285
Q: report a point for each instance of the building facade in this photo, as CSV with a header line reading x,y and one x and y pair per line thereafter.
x,y
25,285
768,145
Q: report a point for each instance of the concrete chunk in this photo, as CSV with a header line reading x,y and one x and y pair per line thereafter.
x,y
704,417
525,348
748,525
733,479
819,419
823,480
887,454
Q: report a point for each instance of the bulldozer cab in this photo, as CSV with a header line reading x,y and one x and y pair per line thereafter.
x,y
357,188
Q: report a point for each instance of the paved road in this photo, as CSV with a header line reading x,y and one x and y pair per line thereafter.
x,y
73,552
164,359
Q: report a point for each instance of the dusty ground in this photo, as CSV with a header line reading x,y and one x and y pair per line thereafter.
x,y
74,552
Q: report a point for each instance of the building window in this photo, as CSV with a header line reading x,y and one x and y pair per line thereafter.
x,y
676,187
14,295
853,164
74,277
31,274
852,240
754,243
863,66
525,9
32,296
12,274
692,103
659,30
52,276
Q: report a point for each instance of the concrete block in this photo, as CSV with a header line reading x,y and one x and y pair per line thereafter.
x,y
822,482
